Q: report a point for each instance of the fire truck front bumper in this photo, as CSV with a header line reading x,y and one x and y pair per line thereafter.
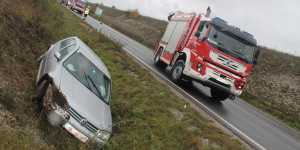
x,y
212,78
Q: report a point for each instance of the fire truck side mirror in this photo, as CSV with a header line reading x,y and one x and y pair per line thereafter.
x,y
203,39
207,25
170,15
197,34
256,57
201,25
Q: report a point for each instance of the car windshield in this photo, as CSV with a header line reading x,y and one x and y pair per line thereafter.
x,y
65,51
89,75
230,44
67,42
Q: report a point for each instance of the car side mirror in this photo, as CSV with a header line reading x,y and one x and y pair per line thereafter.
x,y
41,57
57,55
197,34
256,57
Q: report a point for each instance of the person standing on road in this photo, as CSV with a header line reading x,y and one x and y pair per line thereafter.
x,y
99,29
86,12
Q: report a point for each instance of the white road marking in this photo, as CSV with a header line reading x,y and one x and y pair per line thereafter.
x,y
266,124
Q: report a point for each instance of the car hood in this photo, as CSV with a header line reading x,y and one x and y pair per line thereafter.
x,y
84,102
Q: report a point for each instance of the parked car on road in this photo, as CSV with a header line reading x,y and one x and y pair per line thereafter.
x,y
74,87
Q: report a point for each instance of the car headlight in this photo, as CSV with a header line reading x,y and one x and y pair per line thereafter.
x,y
75,132
103,134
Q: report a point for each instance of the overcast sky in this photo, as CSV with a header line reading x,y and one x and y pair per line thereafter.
x,y
274,23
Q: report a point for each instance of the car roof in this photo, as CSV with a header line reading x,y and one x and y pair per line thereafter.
x,y
87,52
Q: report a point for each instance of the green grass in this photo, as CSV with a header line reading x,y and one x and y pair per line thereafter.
x,y
140,104
12,139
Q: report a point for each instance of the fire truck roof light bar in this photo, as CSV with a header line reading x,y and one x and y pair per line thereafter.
x,y
248,33
221,20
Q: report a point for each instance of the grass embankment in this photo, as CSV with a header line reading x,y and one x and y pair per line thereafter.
x,y
273,85
145,30
146,114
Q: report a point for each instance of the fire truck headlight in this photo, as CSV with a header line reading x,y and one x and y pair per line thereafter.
x,y
239,85
199,67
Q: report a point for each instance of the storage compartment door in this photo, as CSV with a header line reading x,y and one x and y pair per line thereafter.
x,y
173,42
170,28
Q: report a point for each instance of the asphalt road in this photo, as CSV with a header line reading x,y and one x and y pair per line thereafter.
x,y
250,124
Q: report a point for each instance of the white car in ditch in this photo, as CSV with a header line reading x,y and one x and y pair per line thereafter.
x,y
74,87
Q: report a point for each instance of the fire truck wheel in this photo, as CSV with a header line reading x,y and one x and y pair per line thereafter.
x,y
177,71
157,61
218,95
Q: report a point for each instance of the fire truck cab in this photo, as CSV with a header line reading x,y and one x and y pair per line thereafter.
x,y
208,51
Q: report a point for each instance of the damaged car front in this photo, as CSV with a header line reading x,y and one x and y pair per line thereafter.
x,y
74,87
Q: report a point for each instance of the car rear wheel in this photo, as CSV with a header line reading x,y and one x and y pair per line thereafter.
x,y
41,90
177,71
218,95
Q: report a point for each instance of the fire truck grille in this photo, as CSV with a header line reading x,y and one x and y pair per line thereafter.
x,y
227,62
78,118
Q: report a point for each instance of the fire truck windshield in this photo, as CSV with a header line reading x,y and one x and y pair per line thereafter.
x,y
81,2
230,44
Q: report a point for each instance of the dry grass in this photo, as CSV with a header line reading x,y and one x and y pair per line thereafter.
x,y
147,31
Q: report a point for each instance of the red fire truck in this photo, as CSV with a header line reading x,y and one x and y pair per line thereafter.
x,y
78,5
208,51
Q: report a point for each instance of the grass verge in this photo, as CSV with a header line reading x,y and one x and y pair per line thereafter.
x,y
146,114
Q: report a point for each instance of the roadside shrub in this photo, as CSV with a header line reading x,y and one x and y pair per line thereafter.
x,y
133,14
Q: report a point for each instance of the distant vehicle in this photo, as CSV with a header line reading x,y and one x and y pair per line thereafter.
x,y
78,5
208,51
63,1
74,87
68,2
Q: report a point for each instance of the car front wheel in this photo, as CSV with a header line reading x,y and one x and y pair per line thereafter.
x,y
41,90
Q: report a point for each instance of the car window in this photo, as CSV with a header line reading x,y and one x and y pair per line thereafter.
x,y
89,75
67,42
65,51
